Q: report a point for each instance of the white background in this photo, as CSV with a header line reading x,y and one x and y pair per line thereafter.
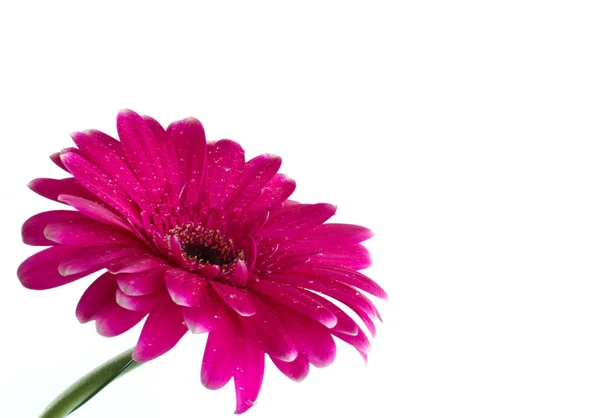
x,y
464,133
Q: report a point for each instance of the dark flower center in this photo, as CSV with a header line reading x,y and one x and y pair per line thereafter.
x,y
201,246
206,254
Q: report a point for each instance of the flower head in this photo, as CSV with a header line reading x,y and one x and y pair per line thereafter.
x,y
195,238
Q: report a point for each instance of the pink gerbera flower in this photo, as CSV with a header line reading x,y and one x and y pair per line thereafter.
x,y
195,238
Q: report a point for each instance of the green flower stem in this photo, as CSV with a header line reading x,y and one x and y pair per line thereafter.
x,y
89,385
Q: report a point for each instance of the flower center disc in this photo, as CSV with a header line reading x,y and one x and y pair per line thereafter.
x,y
201,247
209,255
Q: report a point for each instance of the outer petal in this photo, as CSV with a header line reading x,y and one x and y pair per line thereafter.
x,y
94,210
340,274
237,299
106,140
359,341
106,153
313,340
355,300
355,257
345,324
298,300
276,191
168,156
297,370
113,320
144,303
257,172
40,271
330,235
189,142
87,233
248,375
98,294
141,150
282,262
162,330
101,186
33,228
55,157
186,289
91,259
296,220
225,163
247,229
202,318
141,283
135,263
218,362
268,331
52,188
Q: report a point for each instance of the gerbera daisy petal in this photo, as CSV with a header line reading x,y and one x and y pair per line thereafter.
x,y
113,320
355,257
349,296
55,157
157,129
40,271
87,232
90,259
239,277
331,235
345,324
32,230
248,375
275,192
141,150
141,283
218,362
107,140
313,340
270,334
186,289
340,291
101,186
143,303
252,226
359,341
167,155
99,293
236,299
281,261
189,143
298,300
94,210
109,159
135,263
162,330
201,319
52,188
297,370
296,220
225,164
342,275
257,172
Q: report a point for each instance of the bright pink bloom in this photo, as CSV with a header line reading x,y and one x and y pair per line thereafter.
x,y
194,237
